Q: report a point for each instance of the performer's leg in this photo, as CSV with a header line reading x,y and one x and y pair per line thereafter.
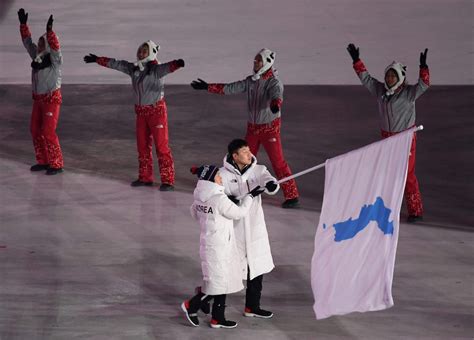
x,y
159,127
144,147
272,144
38,139
412,190
53,149
253,141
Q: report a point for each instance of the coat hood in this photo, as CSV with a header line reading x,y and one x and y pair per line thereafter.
x,y
47,49
206,189
400,70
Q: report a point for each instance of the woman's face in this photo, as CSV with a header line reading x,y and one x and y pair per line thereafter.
x,y
391,78
143,52
218,179
257,63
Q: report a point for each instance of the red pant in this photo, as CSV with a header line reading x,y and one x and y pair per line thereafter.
x,y
152,124
44,120
269,136
412,190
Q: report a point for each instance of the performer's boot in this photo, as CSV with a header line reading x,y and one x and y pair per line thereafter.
x,y
166,187
54,171
291,203
39,167
139,183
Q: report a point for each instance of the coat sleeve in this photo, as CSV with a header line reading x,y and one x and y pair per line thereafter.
x,y
267,177
230,210
162,70
230,88
27,42
276,93
373,85
55,49
415,91
119,65
193,212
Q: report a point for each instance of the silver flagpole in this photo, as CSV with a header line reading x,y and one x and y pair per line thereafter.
x,y
304,172
319,166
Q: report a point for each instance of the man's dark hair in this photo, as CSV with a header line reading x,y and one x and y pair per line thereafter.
x,y
235,145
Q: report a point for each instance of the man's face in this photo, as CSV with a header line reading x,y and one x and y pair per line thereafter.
x,y
391,78
41,45
257,63
243,156
143,52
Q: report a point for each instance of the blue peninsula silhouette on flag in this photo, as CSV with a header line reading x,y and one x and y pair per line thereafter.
x,y
377,212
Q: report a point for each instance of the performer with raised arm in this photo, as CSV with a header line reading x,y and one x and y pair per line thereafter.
x,y
264,101
47,99
150,108
396,104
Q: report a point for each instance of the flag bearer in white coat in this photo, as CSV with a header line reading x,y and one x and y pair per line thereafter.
x,y
218,251
241,174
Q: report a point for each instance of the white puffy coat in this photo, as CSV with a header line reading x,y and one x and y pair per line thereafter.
x,y
218,249
251,231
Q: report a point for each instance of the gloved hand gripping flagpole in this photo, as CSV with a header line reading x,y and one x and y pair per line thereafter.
x,y
304,172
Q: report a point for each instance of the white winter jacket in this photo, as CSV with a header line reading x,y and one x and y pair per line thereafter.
x,y
218,248
251,231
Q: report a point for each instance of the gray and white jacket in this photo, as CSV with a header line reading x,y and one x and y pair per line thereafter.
x,y
148,85
396,112
261,94
47,80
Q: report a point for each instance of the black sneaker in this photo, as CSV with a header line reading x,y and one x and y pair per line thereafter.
x,y
39,167
257,313
54,171
139,183
166,187
414,219
291,203
222,324
192,317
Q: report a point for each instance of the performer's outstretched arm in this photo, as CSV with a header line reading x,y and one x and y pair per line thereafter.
x,y
31,47
119,65
230,88
373,85
161,70
424,79
53,42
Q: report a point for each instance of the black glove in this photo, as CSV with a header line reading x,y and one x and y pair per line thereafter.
x,y
256,191
271,186
49,25
199,84
233,199
423,59
274,108
180,62
354,52
22,16
91,58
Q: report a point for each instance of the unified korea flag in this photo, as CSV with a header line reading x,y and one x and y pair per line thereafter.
x,y
356,239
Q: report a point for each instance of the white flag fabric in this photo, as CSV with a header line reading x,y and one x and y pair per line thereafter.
x,y
356,240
